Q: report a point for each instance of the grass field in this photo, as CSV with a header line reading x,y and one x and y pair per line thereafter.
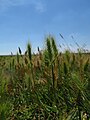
x,y
47,86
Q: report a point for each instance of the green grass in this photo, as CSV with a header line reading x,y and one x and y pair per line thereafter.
x,y
47,86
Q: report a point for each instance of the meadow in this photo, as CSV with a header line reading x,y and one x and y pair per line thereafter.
x,y
49,85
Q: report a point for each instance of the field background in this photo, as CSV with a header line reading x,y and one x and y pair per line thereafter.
x,y
49,85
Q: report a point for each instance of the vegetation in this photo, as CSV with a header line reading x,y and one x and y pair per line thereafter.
x,y
48,85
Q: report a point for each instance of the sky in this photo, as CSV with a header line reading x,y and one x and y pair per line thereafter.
x,y
32,20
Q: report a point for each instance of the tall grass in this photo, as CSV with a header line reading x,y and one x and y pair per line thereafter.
x,y
47,86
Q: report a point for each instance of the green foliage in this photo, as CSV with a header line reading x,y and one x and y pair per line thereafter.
x,y
45,86
29,51
49,48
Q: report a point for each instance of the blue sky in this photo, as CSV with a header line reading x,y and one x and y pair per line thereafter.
x,y
32,20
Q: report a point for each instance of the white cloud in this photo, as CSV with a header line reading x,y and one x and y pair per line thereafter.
x,y
37,4
7,3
